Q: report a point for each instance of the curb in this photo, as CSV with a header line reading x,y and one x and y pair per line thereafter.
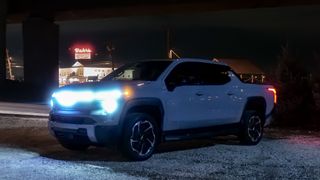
x,y
24,114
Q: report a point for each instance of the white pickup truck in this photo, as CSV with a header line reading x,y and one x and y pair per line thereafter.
x,y
144,103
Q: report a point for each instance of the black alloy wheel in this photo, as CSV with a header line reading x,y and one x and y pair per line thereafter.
x,y
252,128
140,137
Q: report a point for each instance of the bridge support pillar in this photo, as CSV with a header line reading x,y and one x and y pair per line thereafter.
x,y
3,14
41,55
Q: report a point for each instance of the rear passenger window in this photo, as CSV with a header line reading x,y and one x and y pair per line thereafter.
x,y
184,74
197,73
214,74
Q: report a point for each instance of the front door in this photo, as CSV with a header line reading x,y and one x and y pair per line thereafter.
x,y
185,102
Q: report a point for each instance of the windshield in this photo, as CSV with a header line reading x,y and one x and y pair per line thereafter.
x,y
139,71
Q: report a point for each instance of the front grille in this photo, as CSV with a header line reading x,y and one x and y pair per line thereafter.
x,y
71,120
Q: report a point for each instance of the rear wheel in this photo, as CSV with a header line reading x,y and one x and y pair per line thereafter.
x,y
252,128
140,137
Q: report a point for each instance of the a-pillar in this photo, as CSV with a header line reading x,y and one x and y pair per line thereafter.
x,y
41,55
3,13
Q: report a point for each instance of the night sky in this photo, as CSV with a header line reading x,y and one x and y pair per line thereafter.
x,y
255,34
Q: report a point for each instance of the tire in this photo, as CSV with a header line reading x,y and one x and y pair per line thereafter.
x,y
74,146
252,128
140,136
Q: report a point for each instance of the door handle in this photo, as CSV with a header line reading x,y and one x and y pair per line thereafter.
x,y
199,93
230,93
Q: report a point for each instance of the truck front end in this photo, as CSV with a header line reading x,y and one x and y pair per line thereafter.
x,y
86,116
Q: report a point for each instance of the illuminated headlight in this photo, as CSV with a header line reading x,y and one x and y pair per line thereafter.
x,y
107,99
51,103
70,98
110,105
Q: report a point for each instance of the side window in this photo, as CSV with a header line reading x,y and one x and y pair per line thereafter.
x,y
182,75
214,74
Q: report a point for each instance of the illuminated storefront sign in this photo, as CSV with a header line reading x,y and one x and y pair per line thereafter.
x,y
82,53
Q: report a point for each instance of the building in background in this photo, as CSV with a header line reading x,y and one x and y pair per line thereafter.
x,y
84,71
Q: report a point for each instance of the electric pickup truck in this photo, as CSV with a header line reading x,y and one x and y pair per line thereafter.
x,y
142,104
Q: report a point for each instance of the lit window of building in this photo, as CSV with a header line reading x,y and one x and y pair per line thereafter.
x,y
84,71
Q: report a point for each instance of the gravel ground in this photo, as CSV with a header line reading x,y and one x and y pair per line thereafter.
x,y
27,151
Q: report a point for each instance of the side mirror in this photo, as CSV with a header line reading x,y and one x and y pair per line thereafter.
x,y
171,86
176,82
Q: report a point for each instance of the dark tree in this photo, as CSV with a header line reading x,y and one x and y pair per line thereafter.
x,y
294,83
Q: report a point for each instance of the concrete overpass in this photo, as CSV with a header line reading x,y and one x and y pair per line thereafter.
x,y
41,34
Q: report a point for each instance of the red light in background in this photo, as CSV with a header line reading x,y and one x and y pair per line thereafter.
x,y
82,50
274,91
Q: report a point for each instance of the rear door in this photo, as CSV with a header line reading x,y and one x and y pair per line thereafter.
x,y
220,94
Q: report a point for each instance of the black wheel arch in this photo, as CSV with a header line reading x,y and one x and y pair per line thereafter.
x,y
150,106
256,103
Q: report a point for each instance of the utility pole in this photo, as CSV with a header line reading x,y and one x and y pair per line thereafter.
x,y
3,14
171,53
110,49
168,42
9,65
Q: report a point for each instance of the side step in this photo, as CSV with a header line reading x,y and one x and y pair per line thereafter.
x,y
187,134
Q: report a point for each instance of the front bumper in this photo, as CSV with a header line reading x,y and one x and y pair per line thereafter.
x,y
83,129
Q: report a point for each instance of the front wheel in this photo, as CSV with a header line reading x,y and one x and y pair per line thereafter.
x,y
252,128
140,137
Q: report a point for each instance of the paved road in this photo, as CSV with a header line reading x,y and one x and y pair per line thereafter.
x,y
27,151
24,109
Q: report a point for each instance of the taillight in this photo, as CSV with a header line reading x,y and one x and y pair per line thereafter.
x,y
273,90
